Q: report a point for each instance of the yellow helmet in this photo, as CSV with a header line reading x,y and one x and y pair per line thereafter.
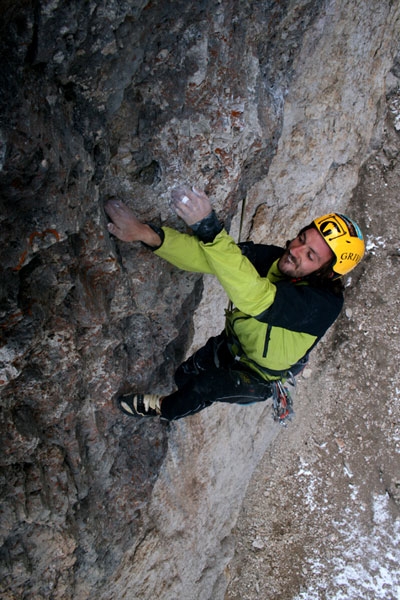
x,y
344,238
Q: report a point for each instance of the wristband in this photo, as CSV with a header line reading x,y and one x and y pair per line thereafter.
x,y
160,234
206,229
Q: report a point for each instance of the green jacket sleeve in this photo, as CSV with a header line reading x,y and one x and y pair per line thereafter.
x,y
184,251
250,293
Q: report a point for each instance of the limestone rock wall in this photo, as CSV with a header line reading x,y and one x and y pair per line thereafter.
x,y
278,103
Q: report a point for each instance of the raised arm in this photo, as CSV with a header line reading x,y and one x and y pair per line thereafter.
x,y
251,293
182,250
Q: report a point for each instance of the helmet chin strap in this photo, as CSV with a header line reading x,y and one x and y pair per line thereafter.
x,y
332,275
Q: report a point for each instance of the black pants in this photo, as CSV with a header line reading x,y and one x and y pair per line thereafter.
x,y
212,375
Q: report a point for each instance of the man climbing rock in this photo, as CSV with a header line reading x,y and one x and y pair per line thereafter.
x,y
284,301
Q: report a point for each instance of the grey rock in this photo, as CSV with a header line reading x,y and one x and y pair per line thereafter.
x,y
276,102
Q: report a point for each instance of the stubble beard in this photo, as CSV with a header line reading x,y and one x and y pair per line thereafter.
x,y
288,266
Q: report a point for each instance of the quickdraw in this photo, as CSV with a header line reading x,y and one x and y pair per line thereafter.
x,y
282,403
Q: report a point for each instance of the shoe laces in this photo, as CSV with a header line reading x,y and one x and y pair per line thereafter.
x,y
152,401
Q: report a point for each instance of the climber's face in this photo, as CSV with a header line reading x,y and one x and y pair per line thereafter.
x,y
307,253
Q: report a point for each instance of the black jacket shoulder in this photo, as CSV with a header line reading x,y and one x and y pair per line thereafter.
x,y
262,256
298,306
303,308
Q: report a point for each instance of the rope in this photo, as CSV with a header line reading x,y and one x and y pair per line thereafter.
x,y
230,303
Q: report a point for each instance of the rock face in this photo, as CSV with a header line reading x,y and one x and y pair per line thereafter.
x,y
126,99
327,492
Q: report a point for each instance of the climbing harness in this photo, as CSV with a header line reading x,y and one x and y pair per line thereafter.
x,y
239,355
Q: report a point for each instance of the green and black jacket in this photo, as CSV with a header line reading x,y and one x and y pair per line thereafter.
x,y
276,321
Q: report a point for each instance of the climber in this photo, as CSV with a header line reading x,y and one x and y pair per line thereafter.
x,y
284,301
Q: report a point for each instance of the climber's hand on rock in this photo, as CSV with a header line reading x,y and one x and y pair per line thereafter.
x,y
127,227
191,205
